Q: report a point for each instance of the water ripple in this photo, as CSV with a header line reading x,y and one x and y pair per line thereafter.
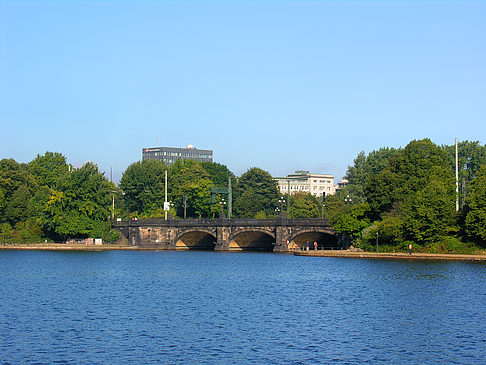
x,y
251,308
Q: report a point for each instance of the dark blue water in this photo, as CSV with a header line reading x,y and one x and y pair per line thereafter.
x,y
250,308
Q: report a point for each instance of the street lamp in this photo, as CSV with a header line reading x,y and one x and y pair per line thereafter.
x,y
348,199
170,205
112,204
184,204
276,211
281,201
222,203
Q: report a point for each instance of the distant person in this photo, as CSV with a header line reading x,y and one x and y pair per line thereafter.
x,y
307,244
315,245
410,248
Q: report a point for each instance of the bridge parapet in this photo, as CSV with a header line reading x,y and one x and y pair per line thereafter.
x,y
234,222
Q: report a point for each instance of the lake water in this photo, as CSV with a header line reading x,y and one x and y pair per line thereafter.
x,y
237,308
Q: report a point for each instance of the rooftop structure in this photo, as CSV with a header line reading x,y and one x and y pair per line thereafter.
x,y
316,184
172,154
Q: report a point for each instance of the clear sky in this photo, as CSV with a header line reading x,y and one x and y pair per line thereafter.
x,y
280,85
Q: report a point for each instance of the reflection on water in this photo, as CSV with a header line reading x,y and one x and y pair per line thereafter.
x,y
207,307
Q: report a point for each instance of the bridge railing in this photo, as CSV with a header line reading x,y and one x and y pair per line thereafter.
x,y
236,222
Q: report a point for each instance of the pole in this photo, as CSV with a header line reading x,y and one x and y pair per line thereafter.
x,y
376,241
184,204
457,177
288,198
230,198
165,211
113,207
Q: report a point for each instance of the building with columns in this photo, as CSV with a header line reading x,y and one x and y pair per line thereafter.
x,y
171,154
316,184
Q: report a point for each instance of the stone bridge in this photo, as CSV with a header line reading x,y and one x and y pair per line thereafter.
x,y
279,235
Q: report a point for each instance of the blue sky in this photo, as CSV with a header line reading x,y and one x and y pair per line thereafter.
x,y
281,85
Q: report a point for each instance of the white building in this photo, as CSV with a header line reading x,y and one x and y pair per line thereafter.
x,y
316,184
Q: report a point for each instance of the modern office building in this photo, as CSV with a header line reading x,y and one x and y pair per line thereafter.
x,y
172,154
316,184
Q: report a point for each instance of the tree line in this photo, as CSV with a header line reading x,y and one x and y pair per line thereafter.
x,y
408,195
48,199
394,197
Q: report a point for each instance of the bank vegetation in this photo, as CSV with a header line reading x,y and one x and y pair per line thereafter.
x,y
393,197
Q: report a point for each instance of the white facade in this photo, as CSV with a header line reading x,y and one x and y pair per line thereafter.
x,y
316,184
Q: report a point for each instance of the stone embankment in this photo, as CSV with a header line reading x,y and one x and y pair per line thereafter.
x,y
66,247
393,256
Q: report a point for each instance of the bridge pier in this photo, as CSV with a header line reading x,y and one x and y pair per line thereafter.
x,y
281,240
222,239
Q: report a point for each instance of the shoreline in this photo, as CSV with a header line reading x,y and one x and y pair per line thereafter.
x,y
394,255
320,253
67,247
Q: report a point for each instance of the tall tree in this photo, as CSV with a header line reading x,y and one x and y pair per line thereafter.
x,y
475,211
17,186
255,192
143,184
303,205
193,181
81,205
409,171
471,157
218,173
430,212
364,168
353,221
48,169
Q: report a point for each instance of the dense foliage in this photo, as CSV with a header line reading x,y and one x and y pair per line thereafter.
x,y
256,194
394,197
410,196
47,199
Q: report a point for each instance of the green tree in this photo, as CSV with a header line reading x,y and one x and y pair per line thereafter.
x,y
353,221
143,184
195,182
17,186
475,210
334,207
48,169
218,173
471,157
363,169
431,211
303,205
255,191
408,172
80,205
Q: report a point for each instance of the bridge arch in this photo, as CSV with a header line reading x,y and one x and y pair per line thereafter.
x,y
197,239
326,239
252,239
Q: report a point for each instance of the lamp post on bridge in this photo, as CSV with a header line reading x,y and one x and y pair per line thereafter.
x,y
222,203
170,205
184,204
281,201
277,210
